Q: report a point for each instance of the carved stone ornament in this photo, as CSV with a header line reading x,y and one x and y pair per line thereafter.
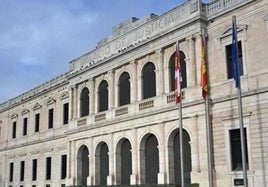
x,y
50,101
37,106
24,111
64,95
13,116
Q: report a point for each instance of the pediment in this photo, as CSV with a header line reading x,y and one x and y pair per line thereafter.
x,y
25,111
50,101
228,30
13,116
64,95
37,106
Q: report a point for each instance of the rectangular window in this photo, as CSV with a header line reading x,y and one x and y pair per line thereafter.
x,y
63,166
50,118
25,124
14,127
11,171
236,153
229,60
34,170
22,168
37,122
65,113
0,132
48,168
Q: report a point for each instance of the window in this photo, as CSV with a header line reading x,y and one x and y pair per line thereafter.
x,y
103,96
50,118
22,168
63,166
14,128
0,132
230,61
48,168
37,122
11,171
65,113
172,71
25,124
34,169
84,102
149,84
236,153
124,89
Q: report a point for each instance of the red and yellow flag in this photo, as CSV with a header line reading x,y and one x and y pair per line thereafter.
x,y
178,77
204,80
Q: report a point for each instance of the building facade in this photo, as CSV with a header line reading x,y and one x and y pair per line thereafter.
x,y
112,120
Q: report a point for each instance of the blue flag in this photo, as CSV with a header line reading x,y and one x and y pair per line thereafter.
x,y
234,54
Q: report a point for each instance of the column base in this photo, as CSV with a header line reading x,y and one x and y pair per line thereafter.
x,y
133,179
162,178
109,180
70,181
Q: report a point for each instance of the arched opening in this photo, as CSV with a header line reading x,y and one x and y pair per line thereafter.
x,y
123,162
124,89
103,96
149,160
101,164
82,165
84,102
149,81
174,158
172,71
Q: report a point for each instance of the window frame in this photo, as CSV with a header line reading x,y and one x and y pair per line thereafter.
x,y
65,113
50,118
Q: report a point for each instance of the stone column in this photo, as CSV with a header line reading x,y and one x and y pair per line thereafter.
x,y
96,93
110,177
191,64
71,164
90,179
162,158
111,89
139,87
195,147
71,93
160,72
133,82
134,176
75,108
92,96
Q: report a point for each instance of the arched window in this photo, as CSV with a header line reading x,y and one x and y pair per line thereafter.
x,y
84,102
151,160
124,89
103,96
174,157
172,71
82,165
149,85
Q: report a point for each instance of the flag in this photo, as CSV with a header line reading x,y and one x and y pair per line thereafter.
x,y
234,53
204,80
178,77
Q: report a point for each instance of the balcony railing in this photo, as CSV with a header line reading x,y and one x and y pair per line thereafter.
x,y
220,5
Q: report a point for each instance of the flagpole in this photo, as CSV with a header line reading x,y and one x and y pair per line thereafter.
x,y
181,143
205,93
209,142
240,109
178,100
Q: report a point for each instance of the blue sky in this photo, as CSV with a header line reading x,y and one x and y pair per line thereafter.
x,y
38,38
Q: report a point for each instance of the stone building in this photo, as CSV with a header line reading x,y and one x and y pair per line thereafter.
x,y
112,120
